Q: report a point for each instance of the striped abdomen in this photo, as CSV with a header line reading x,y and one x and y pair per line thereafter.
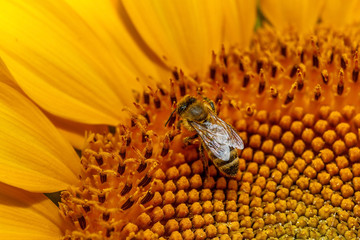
x,y
230,167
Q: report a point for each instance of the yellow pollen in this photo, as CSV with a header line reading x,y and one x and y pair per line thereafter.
x,y
293,101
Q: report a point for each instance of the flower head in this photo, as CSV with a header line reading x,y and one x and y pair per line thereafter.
x,y
289,95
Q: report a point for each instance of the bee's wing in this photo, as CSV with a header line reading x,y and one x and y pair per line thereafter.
x,y
233,139
214,137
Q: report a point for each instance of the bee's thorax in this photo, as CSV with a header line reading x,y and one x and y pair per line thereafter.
x,y
197,113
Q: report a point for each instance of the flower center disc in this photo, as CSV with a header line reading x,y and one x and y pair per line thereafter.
x,y
291,99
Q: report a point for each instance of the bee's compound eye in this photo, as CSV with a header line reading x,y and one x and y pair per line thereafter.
x,y
212,105
181,108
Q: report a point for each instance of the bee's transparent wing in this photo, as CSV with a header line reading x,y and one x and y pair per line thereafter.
x,y
214,137
233,139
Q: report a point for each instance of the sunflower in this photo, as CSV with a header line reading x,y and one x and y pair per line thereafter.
x,y
101,70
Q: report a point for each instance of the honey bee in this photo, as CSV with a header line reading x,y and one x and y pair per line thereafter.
x,y
218,138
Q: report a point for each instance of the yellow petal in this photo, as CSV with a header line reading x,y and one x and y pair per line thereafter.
x,y
25,215
72,67
300,15
182,32
339,13
103,17
34,156
240,16
75,132
6,77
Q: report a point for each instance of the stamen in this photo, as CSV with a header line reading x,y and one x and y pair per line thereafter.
x,y
101,198
122,152
128,140
213,66
246,79
166,146
355,73
109,232
126,189
121,169
241,66
293,71
224,74
162,90
99,160
314,44
300,79
182,84
145,181
106,216
219,96
174,132
343,61
133,122
128,204
172,92
141,167
157,101
325,76
223,57
331,58
86,208
290,95
315,61
317,92
225,77
176,74
273,92
142,111
300,53
259,66
261,81
145,136
146,97
249,110
82,222
148,197
283,50
103,177
148,149
340,86
273,71
172,118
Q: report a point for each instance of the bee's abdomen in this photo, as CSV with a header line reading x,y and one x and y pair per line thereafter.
x,y
229,167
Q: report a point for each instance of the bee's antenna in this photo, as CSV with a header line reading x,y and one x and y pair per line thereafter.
x,y
170,117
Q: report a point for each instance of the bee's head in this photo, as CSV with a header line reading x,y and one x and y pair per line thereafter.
x,y
192,109
182,107
184,104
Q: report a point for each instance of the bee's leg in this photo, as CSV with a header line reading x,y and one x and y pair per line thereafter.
x,y
204,160
188,140
178,125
